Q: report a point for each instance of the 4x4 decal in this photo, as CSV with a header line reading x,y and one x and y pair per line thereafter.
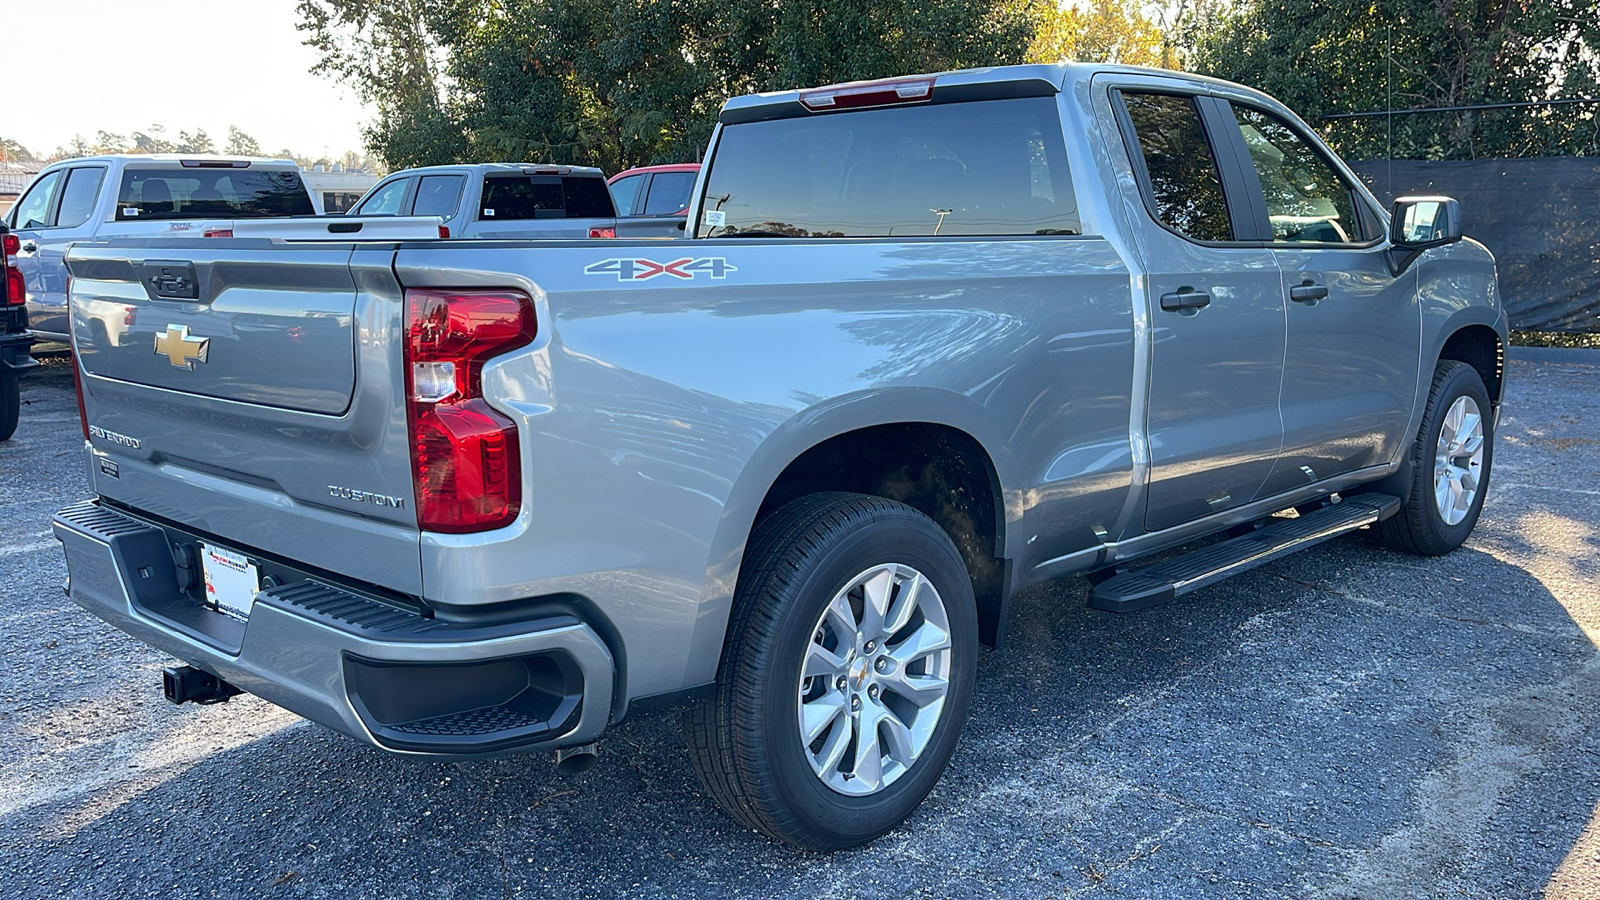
x,y
645,269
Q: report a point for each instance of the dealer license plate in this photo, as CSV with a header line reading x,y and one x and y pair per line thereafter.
x,y
231,581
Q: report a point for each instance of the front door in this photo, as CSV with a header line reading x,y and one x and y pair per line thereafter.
x,y
1216,312
1354,330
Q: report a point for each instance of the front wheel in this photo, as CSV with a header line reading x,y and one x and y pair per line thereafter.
x,y
1450,464
10,405
846,674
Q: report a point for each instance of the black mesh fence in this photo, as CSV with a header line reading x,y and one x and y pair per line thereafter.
x,y
1539,218
1528,178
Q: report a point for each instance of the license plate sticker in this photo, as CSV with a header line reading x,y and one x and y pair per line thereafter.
x,y
231,581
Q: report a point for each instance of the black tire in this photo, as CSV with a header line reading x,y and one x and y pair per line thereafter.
x,y
10,406
745,741
1419,527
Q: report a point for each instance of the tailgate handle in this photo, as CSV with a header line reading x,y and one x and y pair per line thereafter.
x,y
171,279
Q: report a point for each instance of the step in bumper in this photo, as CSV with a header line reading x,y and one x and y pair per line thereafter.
x,y
387,676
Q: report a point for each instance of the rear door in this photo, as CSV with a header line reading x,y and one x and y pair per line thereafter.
x,y
1216,307
72,219
30,219
668,194
1354,330
252,390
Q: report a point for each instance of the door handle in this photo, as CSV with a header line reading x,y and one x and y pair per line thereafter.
x,y
30,247
1185,300
1308,292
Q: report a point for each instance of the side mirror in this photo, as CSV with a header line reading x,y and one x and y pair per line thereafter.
x,y
1419,223
1423,222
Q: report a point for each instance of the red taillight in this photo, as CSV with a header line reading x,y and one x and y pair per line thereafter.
x,y
444,231
859,94
217,232
602,232
465,457
16,292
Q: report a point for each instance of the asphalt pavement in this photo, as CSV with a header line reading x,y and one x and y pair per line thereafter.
x,y
1344,723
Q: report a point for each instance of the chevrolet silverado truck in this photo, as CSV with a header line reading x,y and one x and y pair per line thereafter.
x,y
163,194
927,342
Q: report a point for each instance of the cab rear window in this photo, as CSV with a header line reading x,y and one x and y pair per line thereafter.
x,y
511,197
221,193
981,168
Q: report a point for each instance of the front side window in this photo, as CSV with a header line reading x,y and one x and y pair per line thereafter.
x,y
33,210
517,197
193,192
992,167
438,195
1185,182
669,193
78,197
1307,201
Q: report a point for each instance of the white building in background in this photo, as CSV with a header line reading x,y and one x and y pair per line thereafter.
x,y
14,179
334,190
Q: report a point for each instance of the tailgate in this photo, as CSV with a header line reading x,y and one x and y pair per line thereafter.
x,y
252,390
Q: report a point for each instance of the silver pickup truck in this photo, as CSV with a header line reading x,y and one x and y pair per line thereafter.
x,y
928,341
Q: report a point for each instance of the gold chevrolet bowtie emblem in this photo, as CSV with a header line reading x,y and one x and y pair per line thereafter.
x,y
180,349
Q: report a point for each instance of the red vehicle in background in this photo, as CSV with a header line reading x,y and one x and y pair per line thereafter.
x,y
654,190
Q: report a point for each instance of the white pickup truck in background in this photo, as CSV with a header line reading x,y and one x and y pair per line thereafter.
x,y
160,195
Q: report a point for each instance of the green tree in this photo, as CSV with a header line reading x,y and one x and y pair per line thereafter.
x,y
153,141
194,142
1102,31
624,82
12,151
240,144
1324,57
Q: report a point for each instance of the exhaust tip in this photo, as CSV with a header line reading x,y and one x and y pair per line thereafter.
x,y
577,760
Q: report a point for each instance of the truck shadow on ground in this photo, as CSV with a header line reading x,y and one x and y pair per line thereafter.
x,y
1290,732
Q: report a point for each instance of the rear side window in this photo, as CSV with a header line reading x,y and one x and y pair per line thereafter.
x,y
78,197
1185,182
438,195
669,193
223,193
995,167
1307,201
545,197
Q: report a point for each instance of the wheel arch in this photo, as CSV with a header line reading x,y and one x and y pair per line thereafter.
x,y
946,445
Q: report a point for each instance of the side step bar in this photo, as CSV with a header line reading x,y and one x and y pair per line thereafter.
x,y
1142,589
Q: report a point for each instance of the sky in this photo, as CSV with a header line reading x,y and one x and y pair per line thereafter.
x,y
82,66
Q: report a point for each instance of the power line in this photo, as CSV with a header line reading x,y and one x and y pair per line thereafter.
x,y
1444,109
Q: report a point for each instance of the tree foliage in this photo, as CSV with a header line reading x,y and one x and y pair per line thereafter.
x,y
1324,57
623,82
1114,31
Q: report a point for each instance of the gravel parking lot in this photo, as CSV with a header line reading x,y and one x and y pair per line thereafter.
x,y
1344,723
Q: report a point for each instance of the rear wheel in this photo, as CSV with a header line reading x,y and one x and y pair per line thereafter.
x,y
846,675
10,406
1450,464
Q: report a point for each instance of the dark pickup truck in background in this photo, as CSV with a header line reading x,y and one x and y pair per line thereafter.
x,y
928,341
